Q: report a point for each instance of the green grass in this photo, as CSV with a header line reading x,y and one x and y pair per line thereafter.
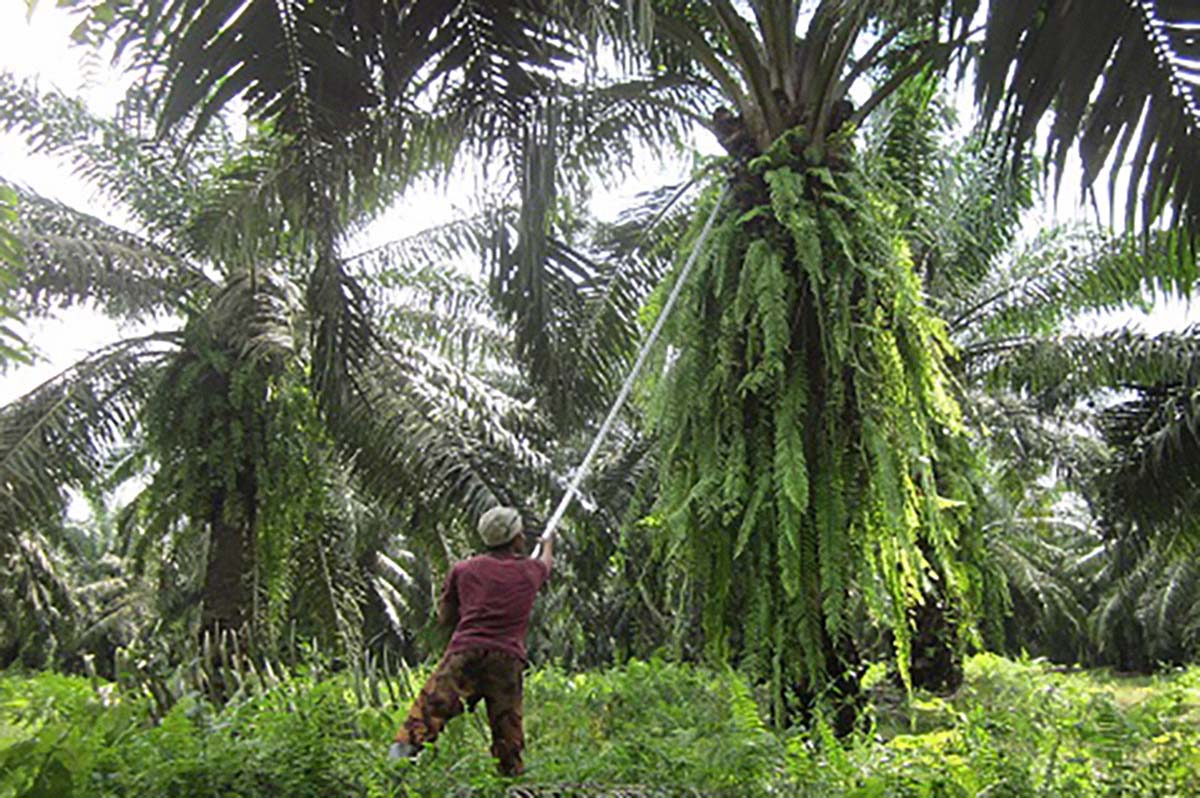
x,y
1015,729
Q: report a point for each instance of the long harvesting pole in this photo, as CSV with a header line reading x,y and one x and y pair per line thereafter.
x,y
582,471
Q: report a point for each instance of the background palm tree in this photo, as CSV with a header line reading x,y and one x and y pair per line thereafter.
x,y
1074,530
1064,492
241,465
438,408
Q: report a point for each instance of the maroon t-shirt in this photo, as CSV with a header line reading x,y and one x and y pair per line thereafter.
x,y
493,595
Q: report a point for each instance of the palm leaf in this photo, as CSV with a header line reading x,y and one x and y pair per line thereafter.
x,y
1065,368
1061,273
423,297
147,177
13,347
1154,477
423,432
73,258
1114,85
58,435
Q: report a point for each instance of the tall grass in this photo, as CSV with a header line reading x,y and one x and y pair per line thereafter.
x,y
1016,729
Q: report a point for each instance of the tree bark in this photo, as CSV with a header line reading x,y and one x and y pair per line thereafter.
x,y
936,660
226,578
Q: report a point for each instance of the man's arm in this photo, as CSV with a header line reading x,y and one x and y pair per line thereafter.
x,y
448,605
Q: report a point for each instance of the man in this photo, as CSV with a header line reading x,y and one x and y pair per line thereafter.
x,y
487,600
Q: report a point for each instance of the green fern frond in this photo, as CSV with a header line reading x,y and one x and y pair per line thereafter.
x,y
834,417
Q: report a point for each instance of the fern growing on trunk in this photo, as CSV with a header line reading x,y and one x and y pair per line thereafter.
x,y
803,416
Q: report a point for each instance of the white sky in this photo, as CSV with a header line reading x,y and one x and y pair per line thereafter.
x,y
39,48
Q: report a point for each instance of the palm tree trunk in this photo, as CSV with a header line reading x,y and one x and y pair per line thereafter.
x,y
935,663
840,695
227,577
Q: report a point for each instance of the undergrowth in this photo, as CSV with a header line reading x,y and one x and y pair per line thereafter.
x,y
1015,729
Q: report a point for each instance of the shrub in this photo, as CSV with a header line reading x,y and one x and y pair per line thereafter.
x,y
1018,730
1015,730
673,727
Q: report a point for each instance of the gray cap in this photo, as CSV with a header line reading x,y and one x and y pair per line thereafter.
x,y
499,525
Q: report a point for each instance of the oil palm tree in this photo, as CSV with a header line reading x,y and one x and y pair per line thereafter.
x,y
803,416
1072,497
1116,585
1078,506
1122,391
779,457
225,408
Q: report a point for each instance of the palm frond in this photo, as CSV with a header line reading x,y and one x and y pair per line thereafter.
x,y
575,366
1049,599
573,298
37,601
412,423
328,79
13,348
422,296
150,178
1062,273
1031,442
257,317
1115,87
960,202
58,435
291,196
600,128
423,432
1168,608
1065,368
321,67
1154,479
72,258
403,584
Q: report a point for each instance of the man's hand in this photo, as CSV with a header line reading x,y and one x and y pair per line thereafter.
x,y
401,751
546,544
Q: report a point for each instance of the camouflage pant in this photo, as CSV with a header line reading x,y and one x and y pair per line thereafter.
x,y
471,675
